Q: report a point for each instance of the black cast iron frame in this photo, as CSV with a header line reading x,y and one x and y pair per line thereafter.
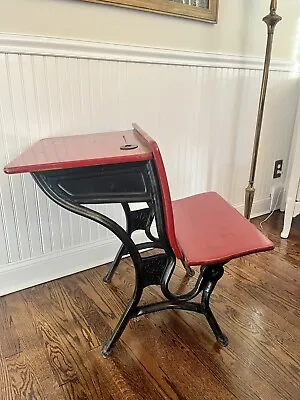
x,y
125,184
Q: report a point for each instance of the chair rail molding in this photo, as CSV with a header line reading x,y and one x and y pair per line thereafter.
x,y
50,46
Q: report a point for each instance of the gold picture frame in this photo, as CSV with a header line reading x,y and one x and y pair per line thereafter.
x,y
169,7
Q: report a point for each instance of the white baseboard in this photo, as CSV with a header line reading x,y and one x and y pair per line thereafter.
x,y
23,274
297,208
260,207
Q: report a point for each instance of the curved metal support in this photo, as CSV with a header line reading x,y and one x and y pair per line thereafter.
x,y
114,265
126,209
149,245
119,329
168,305
189,271
135,220
148,225
60,198
122,250
211,277
167,278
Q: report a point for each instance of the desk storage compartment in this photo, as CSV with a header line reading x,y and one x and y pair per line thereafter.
x,y
99,184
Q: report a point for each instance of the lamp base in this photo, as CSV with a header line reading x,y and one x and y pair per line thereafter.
x,y
249,196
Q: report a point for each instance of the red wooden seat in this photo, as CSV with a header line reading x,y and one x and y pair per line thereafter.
x,y
210,231
204,229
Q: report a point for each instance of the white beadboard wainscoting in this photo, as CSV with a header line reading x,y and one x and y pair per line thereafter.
x,y
201,108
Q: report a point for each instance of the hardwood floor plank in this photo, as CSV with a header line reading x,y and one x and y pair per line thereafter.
x,y
32,345
66,303
127,379
134,376
10,342
263,286
24,381
5,383
272,364
66,354
52,336
74,391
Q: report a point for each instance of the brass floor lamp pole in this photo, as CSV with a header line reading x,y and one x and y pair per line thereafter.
x,y
271,20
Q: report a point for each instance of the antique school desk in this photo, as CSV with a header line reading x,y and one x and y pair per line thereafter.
x,y
126,167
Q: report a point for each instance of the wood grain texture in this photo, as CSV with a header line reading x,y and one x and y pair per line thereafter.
x,y
5,383
25,383
51,336
10,341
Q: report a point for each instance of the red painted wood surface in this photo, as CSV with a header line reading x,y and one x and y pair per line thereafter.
x,y
79,151
210,231
164,186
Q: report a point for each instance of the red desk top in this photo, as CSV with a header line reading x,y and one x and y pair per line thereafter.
x,y
80,151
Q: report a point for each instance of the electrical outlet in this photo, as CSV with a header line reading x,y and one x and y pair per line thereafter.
x,y
278,169
276,196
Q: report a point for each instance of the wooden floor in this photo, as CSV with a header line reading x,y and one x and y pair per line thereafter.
x,y
51,336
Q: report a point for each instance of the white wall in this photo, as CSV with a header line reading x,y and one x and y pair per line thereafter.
x,y
239,31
